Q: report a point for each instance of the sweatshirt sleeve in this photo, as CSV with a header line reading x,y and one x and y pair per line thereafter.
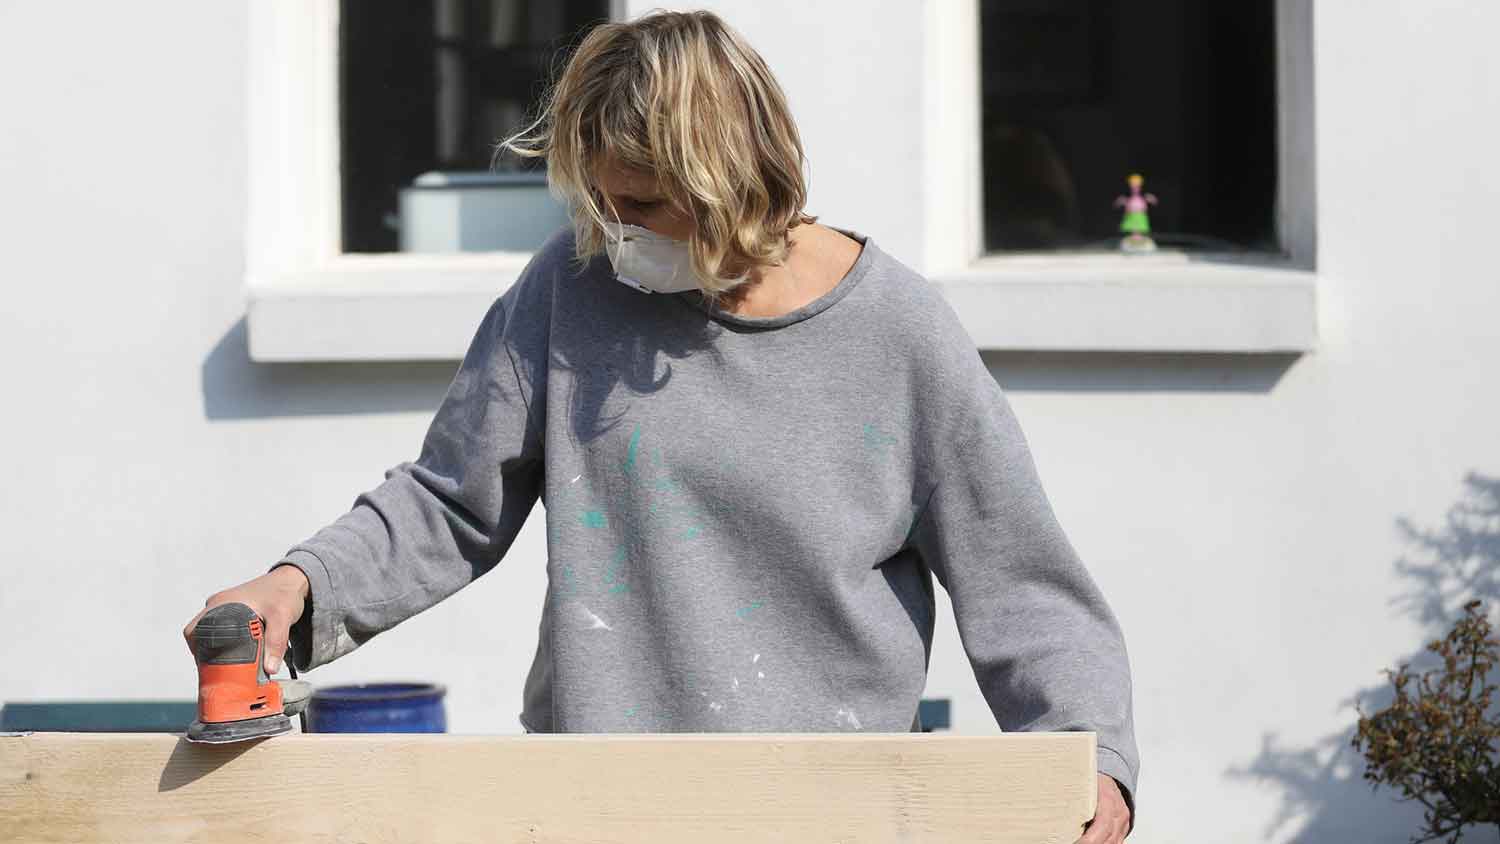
x,y
1045,647
434,525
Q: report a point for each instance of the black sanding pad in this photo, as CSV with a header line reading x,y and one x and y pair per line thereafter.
x,y
225,732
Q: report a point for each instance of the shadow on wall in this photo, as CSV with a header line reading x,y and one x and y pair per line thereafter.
x,y
1102,372
236,387
1324,784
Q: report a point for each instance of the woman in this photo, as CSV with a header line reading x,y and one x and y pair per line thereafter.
x,y
757,438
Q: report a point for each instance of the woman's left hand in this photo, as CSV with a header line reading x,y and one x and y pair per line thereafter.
x,y
1112,817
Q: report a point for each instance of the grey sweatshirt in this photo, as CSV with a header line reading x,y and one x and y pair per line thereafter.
x,y
744,515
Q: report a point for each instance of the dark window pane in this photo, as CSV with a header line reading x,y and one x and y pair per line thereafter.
x,y
1077,94
429,87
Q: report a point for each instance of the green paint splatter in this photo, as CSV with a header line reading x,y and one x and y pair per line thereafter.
x,y
611,572
691,532
629,713
744,612
594,519
916,516
570,585
875,440
635,445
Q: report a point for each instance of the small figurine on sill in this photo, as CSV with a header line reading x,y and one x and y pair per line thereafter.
x,y
1135,222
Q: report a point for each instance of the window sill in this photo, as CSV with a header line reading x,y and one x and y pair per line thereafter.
x,y
1135,303
377,307
418,307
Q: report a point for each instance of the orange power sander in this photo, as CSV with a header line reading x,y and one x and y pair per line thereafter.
x,y
236,700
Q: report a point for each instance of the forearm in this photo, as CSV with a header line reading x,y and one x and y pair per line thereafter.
x,y
405,546
1046,649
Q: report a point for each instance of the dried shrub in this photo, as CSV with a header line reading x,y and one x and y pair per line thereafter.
x,y
1438,741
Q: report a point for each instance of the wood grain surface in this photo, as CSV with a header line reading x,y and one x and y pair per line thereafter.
x,y
661,788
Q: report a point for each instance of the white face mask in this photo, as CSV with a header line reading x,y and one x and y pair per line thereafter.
x,y
648,261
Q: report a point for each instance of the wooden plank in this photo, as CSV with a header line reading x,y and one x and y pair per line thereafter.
x,y
667,787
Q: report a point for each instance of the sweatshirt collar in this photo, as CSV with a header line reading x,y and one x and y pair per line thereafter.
x,y
822,303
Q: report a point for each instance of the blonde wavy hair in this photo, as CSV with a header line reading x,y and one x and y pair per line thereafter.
x,y
681,96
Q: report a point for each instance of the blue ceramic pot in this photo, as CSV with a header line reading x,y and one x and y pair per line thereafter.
x,y
378,708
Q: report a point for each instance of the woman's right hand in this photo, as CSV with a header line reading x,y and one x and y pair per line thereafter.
x,y
276,596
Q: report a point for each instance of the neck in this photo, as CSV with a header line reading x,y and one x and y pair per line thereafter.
x,y
771,290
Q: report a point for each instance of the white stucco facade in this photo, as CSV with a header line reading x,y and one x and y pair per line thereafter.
x,y
1242,512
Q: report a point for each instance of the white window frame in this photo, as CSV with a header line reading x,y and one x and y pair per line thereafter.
x,y
1160,302
306,299
309,302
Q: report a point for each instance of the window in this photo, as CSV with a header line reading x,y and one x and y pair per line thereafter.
x,y
329,278
426,88
1076,94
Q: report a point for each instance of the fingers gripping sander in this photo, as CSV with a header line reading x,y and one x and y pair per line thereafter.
x,y
237,701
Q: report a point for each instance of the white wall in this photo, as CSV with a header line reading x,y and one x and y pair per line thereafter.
x,y
1241,513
